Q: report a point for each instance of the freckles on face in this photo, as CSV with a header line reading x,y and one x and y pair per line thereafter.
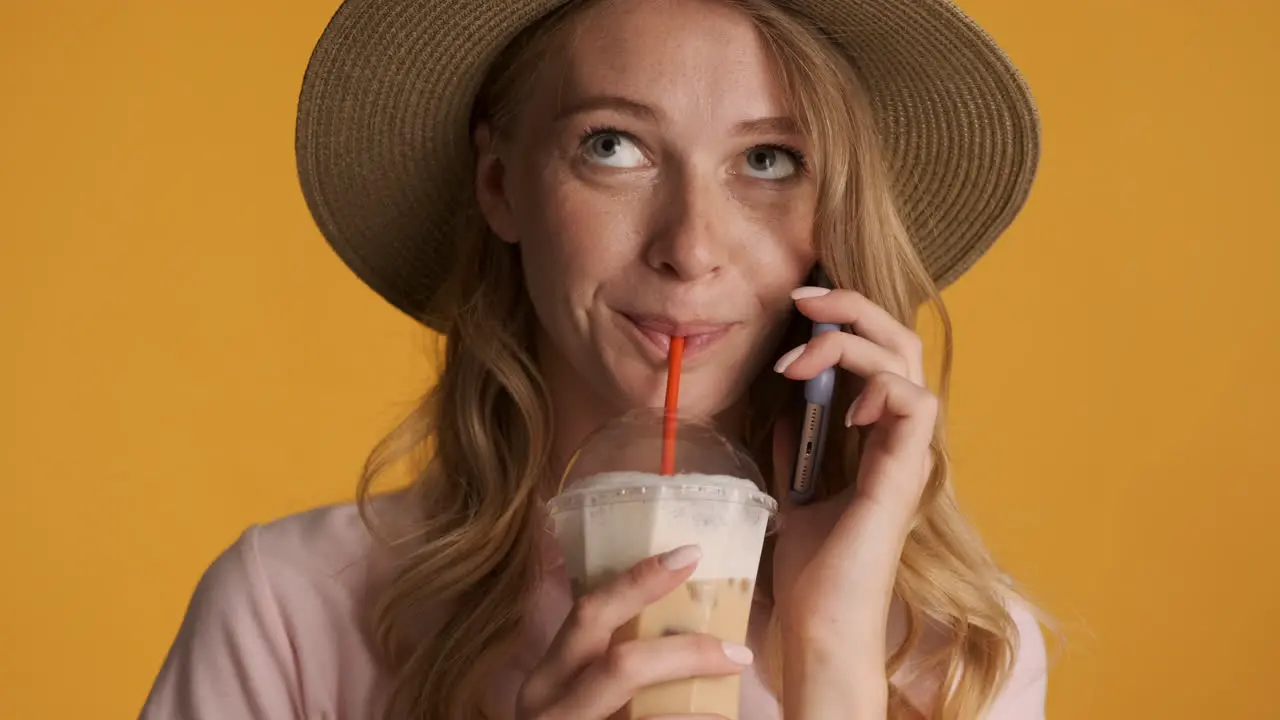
x,y
658,187
575,242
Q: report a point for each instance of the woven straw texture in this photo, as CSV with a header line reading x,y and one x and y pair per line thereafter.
x,y
384,154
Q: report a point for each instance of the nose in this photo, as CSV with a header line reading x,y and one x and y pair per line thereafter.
x,y
689,239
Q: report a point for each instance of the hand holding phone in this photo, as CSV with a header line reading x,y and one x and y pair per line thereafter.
x,y
818,393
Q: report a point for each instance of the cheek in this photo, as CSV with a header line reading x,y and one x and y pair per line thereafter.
x,y
574,238
783,251
598,231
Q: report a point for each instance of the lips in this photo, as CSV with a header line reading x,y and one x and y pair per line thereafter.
x,y
657,331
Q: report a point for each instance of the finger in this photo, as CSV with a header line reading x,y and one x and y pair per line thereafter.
x,y
867,319
857,355
892,472
889,396
684,717
586,633
608,684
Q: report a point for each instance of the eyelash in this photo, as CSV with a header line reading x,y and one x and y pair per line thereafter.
x,y
802,163
594,130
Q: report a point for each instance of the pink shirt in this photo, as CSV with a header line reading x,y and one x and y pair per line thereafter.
x,y
276,629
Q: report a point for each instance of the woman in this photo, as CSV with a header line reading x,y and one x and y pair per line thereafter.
x,y
561,188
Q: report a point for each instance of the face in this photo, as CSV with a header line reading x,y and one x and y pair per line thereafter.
x,y
655,183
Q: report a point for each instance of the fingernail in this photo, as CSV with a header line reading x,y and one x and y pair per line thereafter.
x,y
853,408
808,291
785,361
681,557
740,654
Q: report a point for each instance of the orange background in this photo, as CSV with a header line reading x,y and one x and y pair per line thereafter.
x,y
184,356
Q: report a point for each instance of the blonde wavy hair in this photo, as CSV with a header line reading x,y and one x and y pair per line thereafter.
x,y
482,436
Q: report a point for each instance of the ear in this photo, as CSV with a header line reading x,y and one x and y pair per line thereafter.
x,y
491,185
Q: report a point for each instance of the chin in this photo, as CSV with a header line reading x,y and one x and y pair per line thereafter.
x,y
632,389
704,392
707,402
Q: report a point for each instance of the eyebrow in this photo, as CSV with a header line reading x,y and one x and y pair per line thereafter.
x,y
777,125
618,103
780,125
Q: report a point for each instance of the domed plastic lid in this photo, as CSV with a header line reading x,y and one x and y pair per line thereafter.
x,y
622,460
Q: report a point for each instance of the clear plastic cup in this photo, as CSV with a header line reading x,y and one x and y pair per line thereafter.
x,y
615,509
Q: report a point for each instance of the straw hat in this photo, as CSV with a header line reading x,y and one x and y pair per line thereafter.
x,y
384,148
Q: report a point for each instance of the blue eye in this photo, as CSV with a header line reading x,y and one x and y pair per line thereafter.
x,y
612,148
771,162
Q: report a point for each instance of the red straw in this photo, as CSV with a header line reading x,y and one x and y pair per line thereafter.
x,y
674,358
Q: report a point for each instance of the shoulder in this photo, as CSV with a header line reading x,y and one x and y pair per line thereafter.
x,y
1022,695
280,609
325,548
321,556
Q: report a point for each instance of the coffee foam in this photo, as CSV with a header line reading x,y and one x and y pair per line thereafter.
x,y
607,535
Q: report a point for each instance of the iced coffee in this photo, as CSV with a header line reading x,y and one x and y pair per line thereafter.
x,y
609,520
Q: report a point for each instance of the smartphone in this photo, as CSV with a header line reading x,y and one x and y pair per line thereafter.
x,y
818,393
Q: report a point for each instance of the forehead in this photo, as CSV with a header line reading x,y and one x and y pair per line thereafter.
x,y
678,55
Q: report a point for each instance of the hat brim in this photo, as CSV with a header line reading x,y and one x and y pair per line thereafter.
x,y
383,128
